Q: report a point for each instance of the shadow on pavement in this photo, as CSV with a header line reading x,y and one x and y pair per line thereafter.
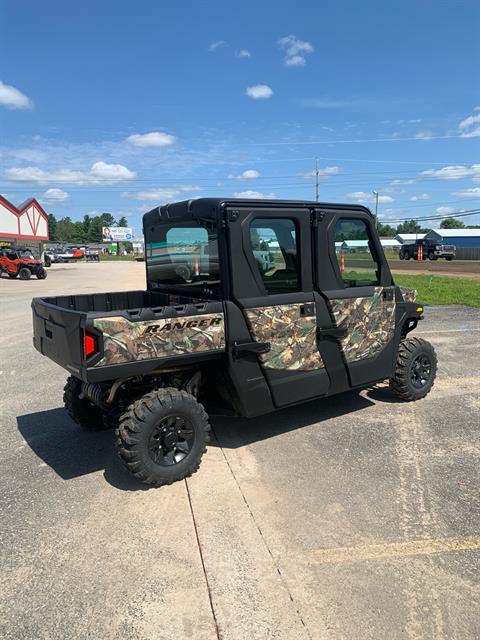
x,y
238,432
72,452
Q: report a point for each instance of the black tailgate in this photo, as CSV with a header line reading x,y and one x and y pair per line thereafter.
x,y
57,333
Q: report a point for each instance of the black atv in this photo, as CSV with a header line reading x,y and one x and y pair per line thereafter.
x,y
233,334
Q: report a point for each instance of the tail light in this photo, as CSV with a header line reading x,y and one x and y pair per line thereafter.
x,y
90,345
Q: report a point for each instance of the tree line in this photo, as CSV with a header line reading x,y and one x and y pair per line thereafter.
x,y
89,230
86,231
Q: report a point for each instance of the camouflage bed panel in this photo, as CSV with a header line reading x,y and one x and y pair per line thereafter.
x,y
370,322
409,295
126,341
292,337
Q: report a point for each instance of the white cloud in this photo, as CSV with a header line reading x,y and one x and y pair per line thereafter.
x,y
468,193
363,196
323,172
12,98
259,92
243,53
424,135
152,139
248,174
257,195
99,172
444,210
295,50
409,181
162,194
422,196
470,127
217,45
454,172
53,196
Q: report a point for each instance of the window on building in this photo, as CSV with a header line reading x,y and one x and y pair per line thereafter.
x,y
357,263
274,247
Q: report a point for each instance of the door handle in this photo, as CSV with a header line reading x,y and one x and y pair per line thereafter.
x,y
332,332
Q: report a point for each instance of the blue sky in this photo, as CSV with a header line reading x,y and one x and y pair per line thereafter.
x,y
121,106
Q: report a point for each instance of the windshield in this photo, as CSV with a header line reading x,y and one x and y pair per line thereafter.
x,y
182,254
25,254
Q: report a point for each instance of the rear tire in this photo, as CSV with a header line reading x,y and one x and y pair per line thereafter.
x,y
415,369
401,256
432,256
24,273
82,411
449,258
162,436
407,256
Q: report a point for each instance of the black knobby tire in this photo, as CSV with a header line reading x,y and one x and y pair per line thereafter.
x,y
41,274
162,436
415,369
82,411
402,256
432,256
24,273
407,255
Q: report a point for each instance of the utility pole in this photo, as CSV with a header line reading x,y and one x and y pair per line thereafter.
x,y
317,186
375,193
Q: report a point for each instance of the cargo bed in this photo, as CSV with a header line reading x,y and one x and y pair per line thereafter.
x,y
105,336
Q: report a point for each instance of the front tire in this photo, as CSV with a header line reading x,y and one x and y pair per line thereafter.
x,y
41,274
24,273
162,436
415,370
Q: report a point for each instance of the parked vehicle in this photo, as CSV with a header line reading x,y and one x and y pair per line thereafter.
x,y
233,338
431,249
20,262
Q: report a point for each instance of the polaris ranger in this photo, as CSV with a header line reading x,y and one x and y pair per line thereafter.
x,y
235,335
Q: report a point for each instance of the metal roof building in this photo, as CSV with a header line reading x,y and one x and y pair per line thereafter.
x,y
467,238
409,237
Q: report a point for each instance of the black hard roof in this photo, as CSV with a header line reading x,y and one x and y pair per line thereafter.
x,y
212,207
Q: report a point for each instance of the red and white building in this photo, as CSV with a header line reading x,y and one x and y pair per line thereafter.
x,y
26,225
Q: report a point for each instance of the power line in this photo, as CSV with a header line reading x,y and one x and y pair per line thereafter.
x,y
454,214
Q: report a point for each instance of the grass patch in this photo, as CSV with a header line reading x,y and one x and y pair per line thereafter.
x,y
442,289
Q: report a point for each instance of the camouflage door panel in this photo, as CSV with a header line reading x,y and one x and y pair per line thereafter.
x,y
292,337
370,322
126,341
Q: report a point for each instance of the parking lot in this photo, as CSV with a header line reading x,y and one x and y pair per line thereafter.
x,y
353,518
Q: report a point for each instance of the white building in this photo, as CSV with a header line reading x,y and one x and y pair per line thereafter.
x,y
409,237
26,225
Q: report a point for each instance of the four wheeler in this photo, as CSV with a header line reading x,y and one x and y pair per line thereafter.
x,y
20,262
230,336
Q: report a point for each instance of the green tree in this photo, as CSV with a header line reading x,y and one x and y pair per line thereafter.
x,y
64,229
409,226
87,221
386,230
52,227
122,222
78,233
107,220
95,230
452,223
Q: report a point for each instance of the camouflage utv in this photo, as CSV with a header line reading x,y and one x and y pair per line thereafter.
x,y
217,330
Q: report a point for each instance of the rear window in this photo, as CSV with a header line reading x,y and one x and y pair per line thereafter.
x,y
182,255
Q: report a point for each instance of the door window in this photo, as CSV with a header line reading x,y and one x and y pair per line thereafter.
x,y
274,246
357,262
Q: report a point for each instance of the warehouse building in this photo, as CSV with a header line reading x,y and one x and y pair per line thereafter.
x,y
25,225
459,237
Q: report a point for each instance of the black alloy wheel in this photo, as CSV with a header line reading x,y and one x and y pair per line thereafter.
x,y
171,440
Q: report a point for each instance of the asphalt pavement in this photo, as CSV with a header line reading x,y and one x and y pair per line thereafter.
x,y
355,517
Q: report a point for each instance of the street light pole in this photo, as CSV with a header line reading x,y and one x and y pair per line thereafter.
x,y
375,193
317,186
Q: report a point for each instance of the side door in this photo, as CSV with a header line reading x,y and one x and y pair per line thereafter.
x,y
272,283
357,286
